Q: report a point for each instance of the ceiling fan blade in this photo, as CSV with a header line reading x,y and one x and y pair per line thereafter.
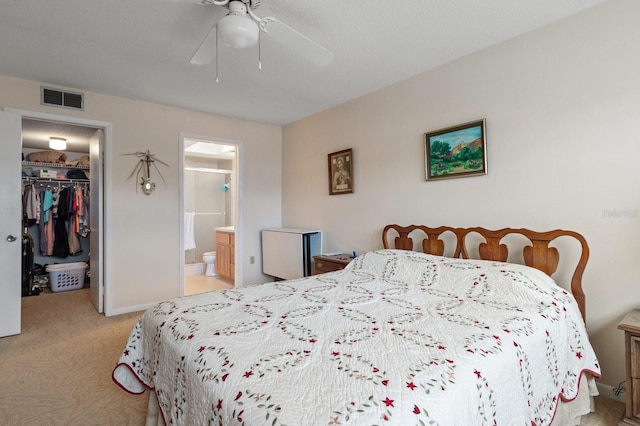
x,y
207,49
297,42
204,2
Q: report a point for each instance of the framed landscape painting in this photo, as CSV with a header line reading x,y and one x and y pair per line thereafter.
x,y
457,151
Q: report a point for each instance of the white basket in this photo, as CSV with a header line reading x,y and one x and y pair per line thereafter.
x,y
66,276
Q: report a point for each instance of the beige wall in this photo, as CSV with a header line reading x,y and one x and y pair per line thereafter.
x,y
562,106
145,256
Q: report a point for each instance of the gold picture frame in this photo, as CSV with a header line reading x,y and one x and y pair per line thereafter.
x,y
457,151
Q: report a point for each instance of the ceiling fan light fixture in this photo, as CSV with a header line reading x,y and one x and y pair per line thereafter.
x,y
237,29
58,144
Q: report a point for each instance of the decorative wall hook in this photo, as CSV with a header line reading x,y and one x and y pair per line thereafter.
x,y
144,166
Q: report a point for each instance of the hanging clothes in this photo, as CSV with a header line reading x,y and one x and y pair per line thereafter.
x,y
83,217
61,238
74,205
45,227
31,205
47,204
61,214
80,200
73,242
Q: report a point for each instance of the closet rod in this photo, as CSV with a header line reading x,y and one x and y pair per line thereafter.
x,y
58,181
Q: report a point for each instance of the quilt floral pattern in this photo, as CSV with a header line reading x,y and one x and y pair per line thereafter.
x,y
396,337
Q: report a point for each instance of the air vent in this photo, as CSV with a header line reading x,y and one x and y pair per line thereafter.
x,y
55,97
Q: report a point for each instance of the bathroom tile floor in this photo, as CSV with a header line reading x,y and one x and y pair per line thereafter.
x,y
194,284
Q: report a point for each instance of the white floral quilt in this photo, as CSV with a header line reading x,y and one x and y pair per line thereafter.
x,y
397,337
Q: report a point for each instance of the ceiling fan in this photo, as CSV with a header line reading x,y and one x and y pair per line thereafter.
x,y
241,28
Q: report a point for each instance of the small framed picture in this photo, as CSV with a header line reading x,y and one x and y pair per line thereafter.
x,y
341,172
457,151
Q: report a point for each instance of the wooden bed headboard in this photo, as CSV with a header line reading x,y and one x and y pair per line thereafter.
x,y
538,254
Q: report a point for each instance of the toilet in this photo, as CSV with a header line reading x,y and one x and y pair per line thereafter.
x,y
210,259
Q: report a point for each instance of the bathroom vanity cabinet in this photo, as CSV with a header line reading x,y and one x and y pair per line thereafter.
x,y
225,254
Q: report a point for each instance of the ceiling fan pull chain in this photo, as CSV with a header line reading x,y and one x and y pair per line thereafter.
x,y
260,25
217,59
259,51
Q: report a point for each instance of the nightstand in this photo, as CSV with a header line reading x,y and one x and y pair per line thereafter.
x,y
322,264
631,326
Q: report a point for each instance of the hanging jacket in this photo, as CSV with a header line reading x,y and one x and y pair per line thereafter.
x,y
30,205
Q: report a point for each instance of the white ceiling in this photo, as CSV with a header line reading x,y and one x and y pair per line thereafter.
x,y
140,49
35,134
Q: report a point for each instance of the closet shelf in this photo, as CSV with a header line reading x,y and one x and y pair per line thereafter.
x,y
51,165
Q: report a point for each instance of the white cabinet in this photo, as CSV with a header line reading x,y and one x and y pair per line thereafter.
x,y
287,253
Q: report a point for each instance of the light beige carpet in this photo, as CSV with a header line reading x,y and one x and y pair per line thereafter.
x,y
58,371
608,413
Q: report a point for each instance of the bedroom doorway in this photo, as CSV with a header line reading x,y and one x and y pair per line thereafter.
x,y
210,205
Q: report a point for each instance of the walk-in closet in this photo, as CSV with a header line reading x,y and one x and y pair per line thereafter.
x,y
56,240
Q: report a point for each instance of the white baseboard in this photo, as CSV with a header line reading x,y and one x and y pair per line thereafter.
x,y
130,309
608,391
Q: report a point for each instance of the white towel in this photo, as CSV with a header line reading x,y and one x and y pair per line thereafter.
x,y
189,238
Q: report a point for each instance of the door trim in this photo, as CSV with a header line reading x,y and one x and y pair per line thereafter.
x,y
107,191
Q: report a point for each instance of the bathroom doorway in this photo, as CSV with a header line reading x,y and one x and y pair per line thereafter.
x,y
210,206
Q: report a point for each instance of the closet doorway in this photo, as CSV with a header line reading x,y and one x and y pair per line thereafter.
x,y
78,170
210,212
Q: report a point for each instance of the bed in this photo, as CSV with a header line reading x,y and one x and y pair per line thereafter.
x,y
397,337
